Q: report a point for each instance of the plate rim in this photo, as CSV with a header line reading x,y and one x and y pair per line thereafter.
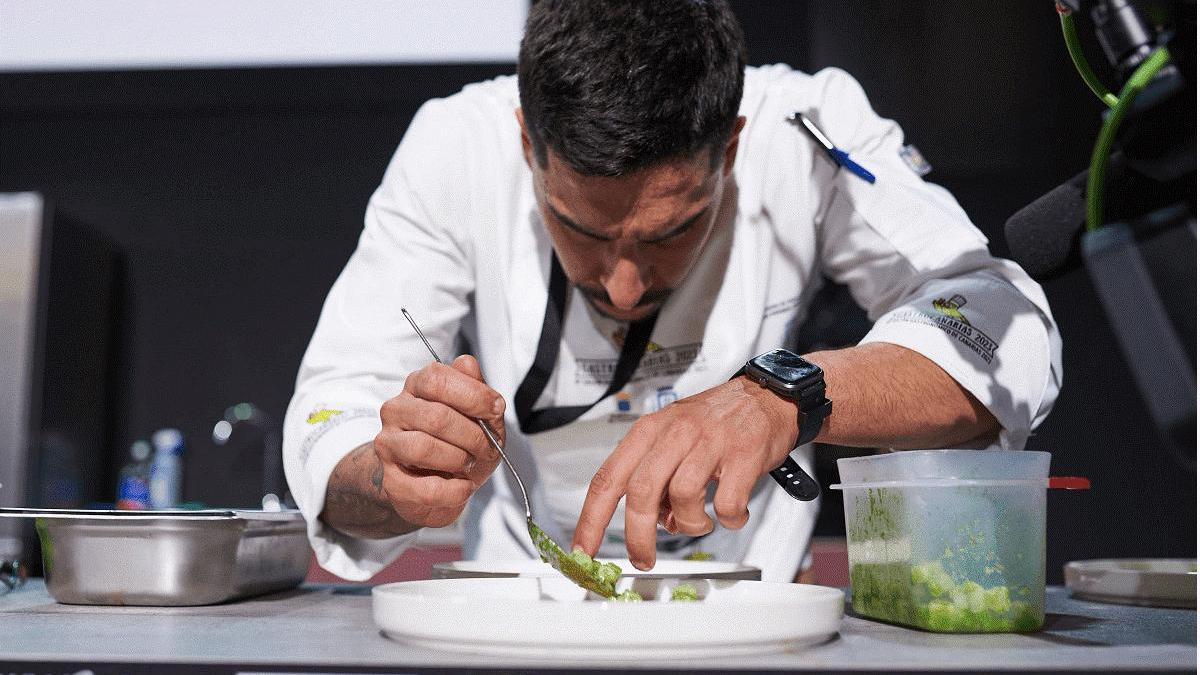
x,y
1099,565
738,568
1177,590
823,607
391,587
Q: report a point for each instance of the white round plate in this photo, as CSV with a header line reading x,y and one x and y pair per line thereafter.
x,y
663,569
552,617
1155,582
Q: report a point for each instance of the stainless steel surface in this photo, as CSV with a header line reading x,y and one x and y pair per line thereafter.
x,y
168,558
329,628
21,216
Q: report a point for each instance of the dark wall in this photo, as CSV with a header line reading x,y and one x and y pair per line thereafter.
x,y
989,94
236,196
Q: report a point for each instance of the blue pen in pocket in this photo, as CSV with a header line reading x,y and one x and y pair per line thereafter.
x,y
839,157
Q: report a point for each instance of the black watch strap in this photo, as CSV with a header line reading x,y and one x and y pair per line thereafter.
x,y
812,418
791,476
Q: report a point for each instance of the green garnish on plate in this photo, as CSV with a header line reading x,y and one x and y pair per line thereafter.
x,y
684,593
599,578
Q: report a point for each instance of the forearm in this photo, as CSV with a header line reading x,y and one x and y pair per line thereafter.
x,y
889,396
355,503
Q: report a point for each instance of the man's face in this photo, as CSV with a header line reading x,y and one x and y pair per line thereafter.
x,y
627,242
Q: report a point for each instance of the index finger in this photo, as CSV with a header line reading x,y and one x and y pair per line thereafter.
x,y
608,486
457,389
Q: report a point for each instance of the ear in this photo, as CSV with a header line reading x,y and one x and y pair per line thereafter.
x,y
526,144
731,147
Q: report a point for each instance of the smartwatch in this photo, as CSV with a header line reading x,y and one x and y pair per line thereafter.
x,y
793,377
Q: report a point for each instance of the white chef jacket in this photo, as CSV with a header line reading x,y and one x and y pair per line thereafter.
x,y
453,233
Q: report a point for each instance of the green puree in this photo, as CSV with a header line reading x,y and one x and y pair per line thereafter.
x,y
600,578
605,574
926,596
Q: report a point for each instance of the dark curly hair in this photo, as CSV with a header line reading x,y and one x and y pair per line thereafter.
x,y
614,86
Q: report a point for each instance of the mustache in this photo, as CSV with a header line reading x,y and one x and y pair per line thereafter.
x,y
649,298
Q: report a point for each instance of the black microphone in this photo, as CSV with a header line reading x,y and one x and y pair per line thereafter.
x,y
1043,237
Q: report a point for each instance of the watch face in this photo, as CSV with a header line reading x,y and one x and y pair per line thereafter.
x,y
786,367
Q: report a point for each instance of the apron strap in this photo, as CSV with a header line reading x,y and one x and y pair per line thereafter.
x,y
636,339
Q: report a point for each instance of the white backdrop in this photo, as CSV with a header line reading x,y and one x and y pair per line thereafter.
x,y
128,34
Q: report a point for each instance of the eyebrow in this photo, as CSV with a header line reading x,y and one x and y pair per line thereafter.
x,y
673,232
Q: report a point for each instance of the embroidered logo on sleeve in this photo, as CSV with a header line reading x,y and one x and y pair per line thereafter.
x,y
322,415
947,315
950,308
324,420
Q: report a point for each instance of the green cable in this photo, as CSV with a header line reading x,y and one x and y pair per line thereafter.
x,y
1108,132
1081,64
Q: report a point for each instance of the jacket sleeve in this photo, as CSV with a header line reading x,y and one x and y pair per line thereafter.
x,y
412,253
915,262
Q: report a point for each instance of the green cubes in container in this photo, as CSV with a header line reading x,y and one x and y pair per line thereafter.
x,y
951,541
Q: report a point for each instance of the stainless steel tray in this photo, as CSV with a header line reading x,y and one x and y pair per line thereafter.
x,y
167,558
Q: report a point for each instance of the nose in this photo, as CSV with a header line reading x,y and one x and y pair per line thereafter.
x,y
625,285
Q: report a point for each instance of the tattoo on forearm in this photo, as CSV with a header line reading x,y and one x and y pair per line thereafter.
x,y
356,508
377,476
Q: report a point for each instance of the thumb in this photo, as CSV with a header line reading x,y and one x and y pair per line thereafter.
x,y
467,364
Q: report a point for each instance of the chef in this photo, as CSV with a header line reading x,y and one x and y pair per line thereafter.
x,y
619,243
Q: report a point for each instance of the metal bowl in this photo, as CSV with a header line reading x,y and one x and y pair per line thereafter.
x,y
167,558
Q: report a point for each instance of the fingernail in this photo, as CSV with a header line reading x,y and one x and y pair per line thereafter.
x,y
498,406
641,565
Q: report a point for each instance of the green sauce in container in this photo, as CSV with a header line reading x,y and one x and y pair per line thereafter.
x,y
950,541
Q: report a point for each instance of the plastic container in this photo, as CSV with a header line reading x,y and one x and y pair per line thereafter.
x,y
133,486
952,541
166,473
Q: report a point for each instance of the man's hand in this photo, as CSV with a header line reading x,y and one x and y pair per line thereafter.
x,y
428,460
733,433
884,395
433,455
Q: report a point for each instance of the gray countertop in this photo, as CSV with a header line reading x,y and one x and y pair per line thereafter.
x,y
317,627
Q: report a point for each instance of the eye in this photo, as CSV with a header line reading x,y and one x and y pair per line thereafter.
x,y
679,232
576,229
670,238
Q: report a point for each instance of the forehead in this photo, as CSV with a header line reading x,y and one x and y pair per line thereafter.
x,y
652,197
